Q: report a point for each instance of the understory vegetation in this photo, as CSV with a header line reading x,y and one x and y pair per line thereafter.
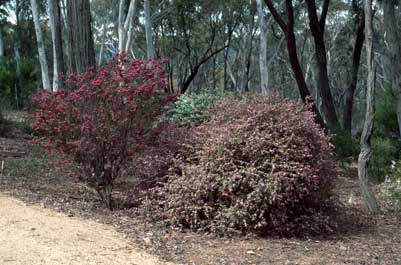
x,y
259,163
220,117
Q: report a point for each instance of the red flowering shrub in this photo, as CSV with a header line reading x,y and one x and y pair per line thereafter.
x,y
260,164
105,119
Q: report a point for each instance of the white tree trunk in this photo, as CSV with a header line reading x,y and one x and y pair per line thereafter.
x,y
17,86
264,73
124,25
41,48
102,45
53,31
1,43
148,30
365,153
121,25
128,24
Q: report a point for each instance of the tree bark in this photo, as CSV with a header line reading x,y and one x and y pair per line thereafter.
x,y
148,31
55,27
1,43
41,47
317,27
391,25
102,44
125,24
356,60
67,42
264,73
59,41
365,153
128,42
80,35
17,85
288,30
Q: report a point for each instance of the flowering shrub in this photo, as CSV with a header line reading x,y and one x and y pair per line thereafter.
x,y
104,120
259,164
390,189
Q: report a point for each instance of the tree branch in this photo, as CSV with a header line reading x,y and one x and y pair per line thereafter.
x,y
323,16
276,15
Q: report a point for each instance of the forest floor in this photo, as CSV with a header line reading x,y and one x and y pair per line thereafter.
x,y
27,176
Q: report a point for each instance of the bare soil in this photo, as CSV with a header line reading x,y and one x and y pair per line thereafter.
x,y
360,238
37,236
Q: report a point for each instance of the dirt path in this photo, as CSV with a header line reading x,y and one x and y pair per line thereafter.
x,y
37,236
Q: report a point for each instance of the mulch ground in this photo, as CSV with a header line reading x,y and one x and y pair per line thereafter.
x,y
360,238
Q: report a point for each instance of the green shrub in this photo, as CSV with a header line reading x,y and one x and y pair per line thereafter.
x,y
384,151
345,145
26,85
260,164
386,124
189,109
390,189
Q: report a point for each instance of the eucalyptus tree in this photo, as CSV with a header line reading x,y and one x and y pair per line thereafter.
x,y
392,27
365,153
359,21
125,25
41,47
264,73
287,26
3,19
151,53
55,27
317,26
80,35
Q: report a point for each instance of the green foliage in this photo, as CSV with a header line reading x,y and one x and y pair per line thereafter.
x,y
385,116
390,190
345,144
190,109
384,151
25,85
7,78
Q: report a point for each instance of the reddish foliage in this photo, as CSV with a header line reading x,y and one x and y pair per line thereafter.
x,y
260,164
105,119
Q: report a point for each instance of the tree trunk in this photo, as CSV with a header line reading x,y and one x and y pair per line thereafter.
x,y
148,30
67,42
17,85
55,27
356,60
80,35
264,74
59,41
322,80
105,193
1,43
102,44
288,30
128,42
365,153
41,47
394,53
124,24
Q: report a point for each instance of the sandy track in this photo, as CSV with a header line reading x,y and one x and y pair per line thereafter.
x,y
31,235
